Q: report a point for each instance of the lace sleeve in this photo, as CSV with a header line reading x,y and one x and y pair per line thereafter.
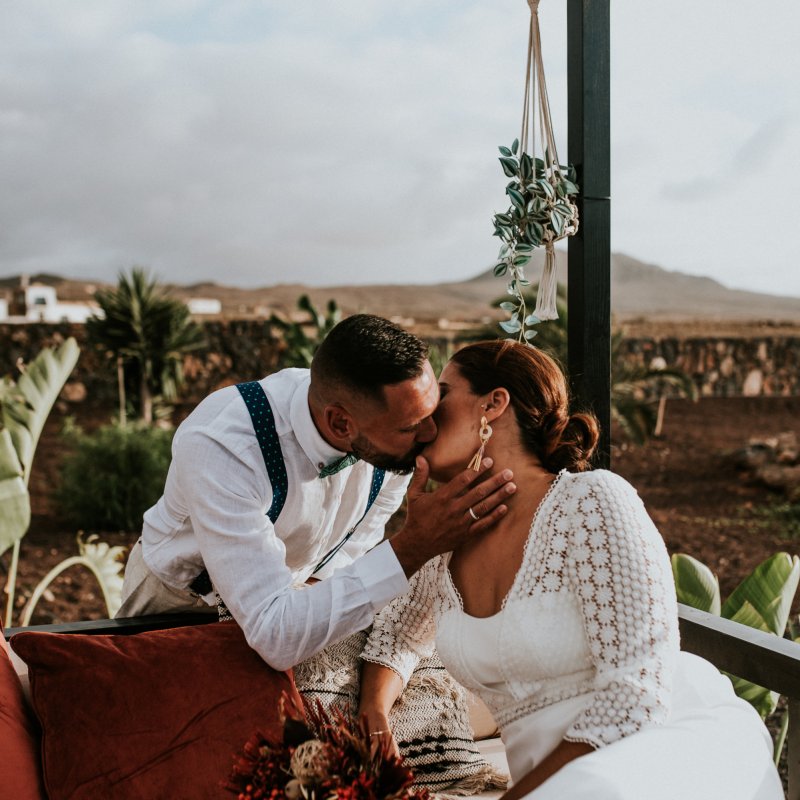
x,y
622,576
403,632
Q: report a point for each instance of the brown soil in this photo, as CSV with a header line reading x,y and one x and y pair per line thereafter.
x,y
700,502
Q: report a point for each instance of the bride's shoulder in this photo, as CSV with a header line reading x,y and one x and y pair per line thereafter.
x,y
599,483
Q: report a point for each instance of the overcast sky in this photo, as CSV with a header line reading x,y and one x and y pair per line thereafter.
x,y
354,141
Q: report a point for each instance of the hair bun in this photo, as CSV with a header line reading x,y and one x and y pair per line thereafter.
x,y
573,448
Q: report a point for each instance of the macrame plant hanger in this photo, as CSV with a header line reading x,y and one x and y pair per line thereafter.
x,y
536,89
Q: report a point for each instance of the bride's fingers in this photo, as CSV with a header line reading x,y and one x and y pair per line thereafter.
x,y
383,741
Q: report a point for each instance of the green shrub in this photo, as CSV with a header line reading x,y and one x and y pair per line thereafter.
x,y
113,476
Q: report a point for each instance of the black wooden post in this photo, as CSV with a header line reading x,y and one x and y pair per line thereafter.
x,y
589,276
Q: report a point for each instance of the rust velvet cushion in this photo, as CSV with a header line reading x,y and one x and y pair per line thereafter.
x,y
151,715
19,743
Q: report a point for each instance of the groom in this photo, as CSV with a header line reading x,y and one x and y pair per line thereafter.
x,y
288,482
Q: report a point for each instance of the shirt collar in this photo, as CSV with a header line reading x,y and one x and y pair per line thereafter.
x,y
319,452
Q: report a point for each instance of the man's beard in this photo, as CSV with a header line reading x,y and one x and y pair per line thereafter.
x,y
400,465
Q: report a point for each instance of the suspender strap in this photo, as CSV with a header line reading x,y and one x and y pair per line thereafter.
x,y
255,398
374,490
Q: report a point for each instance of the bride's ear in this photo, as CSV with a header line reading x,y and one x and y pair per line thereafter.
x,y
495,403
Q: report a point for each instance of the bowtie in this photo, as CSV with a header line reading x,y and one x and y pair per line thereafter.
x,y
338,465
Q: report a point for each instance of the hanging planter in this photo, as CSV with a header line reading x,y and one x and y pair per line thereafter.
x,y
542,194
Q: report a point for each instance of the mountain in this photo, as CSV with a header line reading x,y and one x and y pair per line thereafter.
x,y
640,292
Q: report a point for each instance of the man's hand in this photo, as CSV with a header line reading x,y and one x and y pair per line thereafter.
x,y
439,521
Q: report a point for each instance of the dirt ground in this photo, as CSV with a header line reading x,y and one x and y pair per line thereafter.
x,y
700,502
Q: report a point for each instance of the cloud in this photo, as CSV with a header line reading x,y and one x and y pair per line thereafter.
x,y
261,141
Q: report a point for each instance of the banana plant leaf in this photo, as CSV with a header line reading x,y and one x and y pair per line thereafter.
x,y
762,600
695,584
24,407
14,499
38,387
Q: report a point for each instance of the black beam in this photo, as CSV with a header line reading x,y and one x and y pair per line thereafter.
x,y
127,625
589,254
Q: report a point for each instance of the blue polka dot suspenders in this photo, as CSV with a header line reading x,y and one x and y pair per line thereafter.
x,y
263,420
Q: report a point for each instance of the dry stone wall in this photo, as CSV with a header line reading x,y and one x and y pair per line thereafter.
x,y
728,367
245,349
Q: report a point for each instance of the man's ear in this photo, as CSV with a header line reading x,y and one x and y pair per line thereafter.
x,y
339,422
496,402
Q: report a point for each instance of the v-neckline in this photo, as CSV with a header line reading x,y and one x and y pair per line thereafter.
x,y
528,539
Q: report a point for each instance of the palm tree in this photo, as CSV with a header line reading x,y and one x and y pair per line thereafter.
x,y
147,332
637,392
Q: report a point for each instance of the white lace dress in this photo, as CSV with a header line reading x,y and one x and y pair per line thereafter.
x,y
586,648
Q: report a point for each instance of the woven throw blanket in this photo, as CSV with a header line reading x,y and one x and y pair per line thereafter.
x,y
430,720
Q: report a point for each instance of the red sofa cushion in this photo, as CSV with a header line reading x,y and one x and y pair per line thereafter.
x,y
20,776
151,715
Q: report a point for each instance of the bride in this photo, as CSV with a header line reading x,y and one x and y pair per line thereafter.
x,y
563,617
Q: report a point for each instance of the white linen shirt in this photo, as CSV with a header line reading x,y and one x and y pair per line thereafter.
x,y
213,514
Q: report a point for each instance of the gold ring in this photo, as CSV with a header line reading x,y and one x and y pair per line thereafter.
x,y
473,514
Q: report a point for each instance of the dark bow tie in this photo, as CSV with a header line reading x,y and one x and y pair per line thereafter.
x,y
338,465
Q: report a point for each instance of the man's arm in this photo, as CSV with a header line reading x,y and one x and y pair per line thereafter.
x,y
247,561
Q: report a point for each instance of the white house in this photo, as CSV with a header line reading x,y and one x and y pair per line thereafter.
x,y
37,302
204,306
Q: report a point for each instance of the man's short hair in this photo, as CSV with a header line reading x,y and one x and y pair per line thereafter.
x,y
364,353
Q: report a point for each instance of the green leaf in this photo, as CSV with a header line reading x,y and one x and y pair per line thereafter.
x,y
517,199
504,151
502,219
512,326
557,223
515,146
510,166
39,387
525,167
546,187
500,269
570,187
521,260
695,584
524,248
15,503
763,599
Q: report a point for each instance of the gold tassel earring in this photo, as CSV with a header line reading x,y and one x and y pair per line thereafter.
x,y
485,434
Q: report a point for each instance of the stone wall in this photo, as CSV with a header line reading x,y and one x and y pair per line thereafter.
x,y
726,367
245,349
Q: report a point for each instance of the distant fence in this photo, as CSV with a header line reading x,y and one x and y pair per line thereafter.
x,y
244,349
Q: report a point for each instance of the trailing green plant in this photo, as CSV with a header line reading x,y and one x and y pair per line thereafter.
x,y
113,475
146,333
24,407
763,600
301,339
542,211
102,560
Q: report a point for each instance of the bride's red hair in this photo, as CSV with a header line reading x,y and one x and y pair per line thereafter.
x,y
539,397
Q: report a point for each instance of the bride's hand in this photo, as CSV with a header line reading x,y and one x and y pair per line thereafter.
x,y
437,522
380,733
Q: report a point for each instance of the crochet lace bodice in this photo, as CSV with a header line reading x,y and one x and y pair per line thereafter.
x,y
592,612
